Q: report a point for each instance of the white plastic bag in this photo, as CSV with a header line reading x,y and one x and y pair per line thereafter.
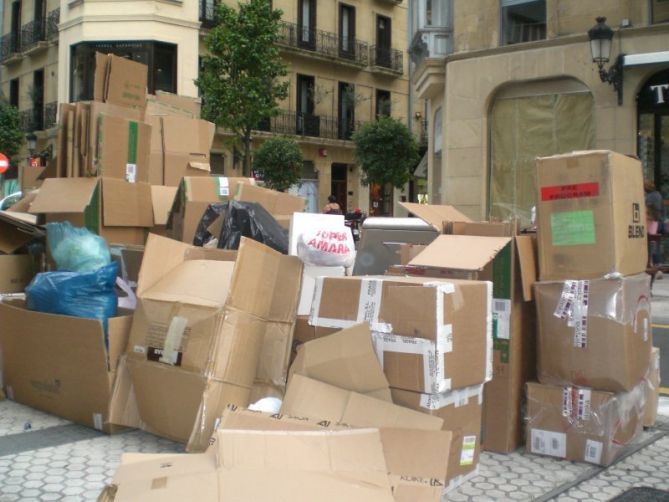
x,y
327,247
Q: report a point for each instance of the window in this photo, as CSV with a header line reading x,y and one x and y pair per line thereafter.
x,y
15,34
383,41
307,24
306,122
38,99
523,21
436,13
346,30
208,12
346,110
161,58
659,11
382,103
14,92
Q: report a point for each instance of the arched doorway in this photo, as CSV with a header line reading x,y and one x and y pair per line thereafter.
x,y
653,127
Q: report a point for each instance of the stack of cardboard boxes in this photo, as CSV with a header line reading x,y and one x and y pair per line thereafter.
x,y
593,308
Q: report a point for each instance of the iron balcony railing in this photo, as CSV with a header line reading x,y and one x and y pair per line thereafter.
x,y
390,59
10,44
38,118
518,33
40,30
303,124
208,13
422,138
50,112
323,43
52,22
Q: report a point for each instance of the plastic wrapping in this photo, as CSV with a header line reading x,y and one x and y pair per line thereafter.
x,y
202,234
76,249
594,333
652,389
582,424
326,247
89,295
248,219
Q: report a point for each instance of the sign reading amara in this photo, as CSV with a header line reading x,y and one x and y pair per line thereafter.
x,y
327,247
660,91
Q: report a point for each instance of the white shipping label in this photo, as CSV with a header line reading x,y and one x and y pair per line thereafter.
x,y
580,314
97,421
583,405
131,172
563,310
593,452
370,300
501,316
549,443
468,450
223,186
567,402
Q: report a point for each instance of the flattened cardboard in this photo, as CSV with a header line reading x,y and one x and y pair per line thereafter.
x,y
59,364
591,216
346,360
435,214
64,196
614,352
276,203
15,232
16,272
311,398
162,199
119,81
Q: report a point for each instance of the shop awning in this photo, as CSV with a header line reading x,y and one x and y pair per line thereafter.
x,y
646,58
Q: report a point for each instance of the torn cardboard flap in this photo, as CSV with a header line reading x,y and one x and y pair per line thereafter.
x,y
461,252
64,195
16,233
162,199
434,214
346,360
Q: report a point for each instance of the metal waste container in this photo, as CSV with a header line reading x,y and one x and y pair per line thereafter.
x,y
381,239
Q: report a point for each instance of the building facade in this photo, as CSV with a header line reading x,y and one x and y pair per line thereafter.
x,y
346,60
519,82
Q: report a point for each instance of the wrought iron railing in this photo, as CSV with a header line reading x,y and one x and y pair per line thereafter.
x,y
518,33
50,113
423,135
38,118
390,59
52,22
324,43
10,44
208,13
32,33
303,124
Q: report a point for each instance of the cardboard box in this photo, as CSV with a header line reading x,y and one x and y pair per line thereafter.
x,y
594,333
279,204
301,466
311,272
15,232
165,103
417,460
193,197
311,398
61,364
115,209
580,424
493,251
122,149
434,335
16,272
305,332
345,359
652,389
119,81
201,335
591,216
461,411
162,200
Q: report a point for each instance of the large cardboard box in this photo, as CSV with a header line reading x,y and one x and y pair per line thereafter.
x,y
166,103
591,215
120,81
461,411
279,204
581,424
16,272
431,335
122,148
594,333
311,272
62,364
193,197
493,251
119,211
202,335
652,389
162,200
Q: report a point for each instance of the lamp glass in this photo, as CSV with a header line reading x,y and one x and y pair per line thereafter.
x,y
601,50
32,142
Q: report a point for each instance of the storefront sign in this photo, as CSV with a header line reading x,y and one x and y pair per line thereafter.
x,y
660,92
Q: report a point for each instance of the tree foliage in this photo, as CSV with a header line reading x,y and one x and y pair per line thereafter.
x,y
11,134
279,161
386,152
240,76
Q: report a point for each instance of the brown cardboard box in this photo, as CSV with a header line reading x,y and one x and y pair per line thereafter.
x,y
305,332
165,103
461,411
652,389
162,199
201,334
279,204
115,209
301,466
582,425
186,146
594,333
493,251
119,81
16,232
345,359
193,197
122,149
61,364
16,272
434,335
591,216
318,400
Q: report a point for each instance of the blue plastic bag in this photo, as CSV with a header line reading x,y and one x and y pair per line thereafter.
x,y
82,294
76,249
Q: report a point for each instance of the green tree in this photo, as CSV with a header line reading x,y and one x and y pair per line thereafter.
x,y
11,134
240,76
386,152
279,161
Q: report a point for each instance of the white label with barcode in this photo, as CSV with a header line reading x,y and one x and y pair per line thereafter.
x,y
549,443
593,451
223,186
468,450
131,172
501,315
583,406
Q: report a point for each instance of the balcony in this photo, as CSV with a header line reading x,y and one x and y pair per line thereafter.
x,y
386,61
423,135
315,126
519,33
208,13
38,118
323,45
10,48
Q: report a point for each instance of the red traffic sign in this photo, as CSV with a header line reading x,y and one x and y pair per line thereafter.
x,y
4,163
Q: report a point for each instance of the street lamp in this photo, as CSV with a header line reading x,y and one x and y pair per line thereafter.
x,y
601,36
31,138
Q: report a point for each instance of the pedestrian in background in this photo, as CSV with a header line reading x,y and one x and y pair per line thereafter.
x,y
654,224
332,207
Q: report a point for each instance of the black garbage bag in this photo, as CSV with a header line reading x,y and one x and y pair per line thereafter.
x,y
248,219
202,234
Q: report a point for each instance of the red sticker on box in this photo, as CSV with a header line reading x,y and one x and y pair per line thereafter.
x,y
569,191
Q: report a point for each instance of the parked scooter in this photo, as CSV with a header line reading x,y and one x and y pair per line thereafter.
x,y
353,220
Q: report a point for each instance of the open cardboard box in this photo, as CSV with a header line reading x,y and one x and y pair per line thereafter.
x,y
119,81
16,270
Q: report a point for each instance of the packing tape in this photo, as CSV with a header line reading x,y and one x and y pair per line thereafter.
x,y
573,308
488,337
97,421
173,338
461,479
457,398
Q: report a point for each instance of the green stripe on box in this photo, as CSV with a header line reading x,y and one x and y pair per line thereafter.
x,y
133,132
